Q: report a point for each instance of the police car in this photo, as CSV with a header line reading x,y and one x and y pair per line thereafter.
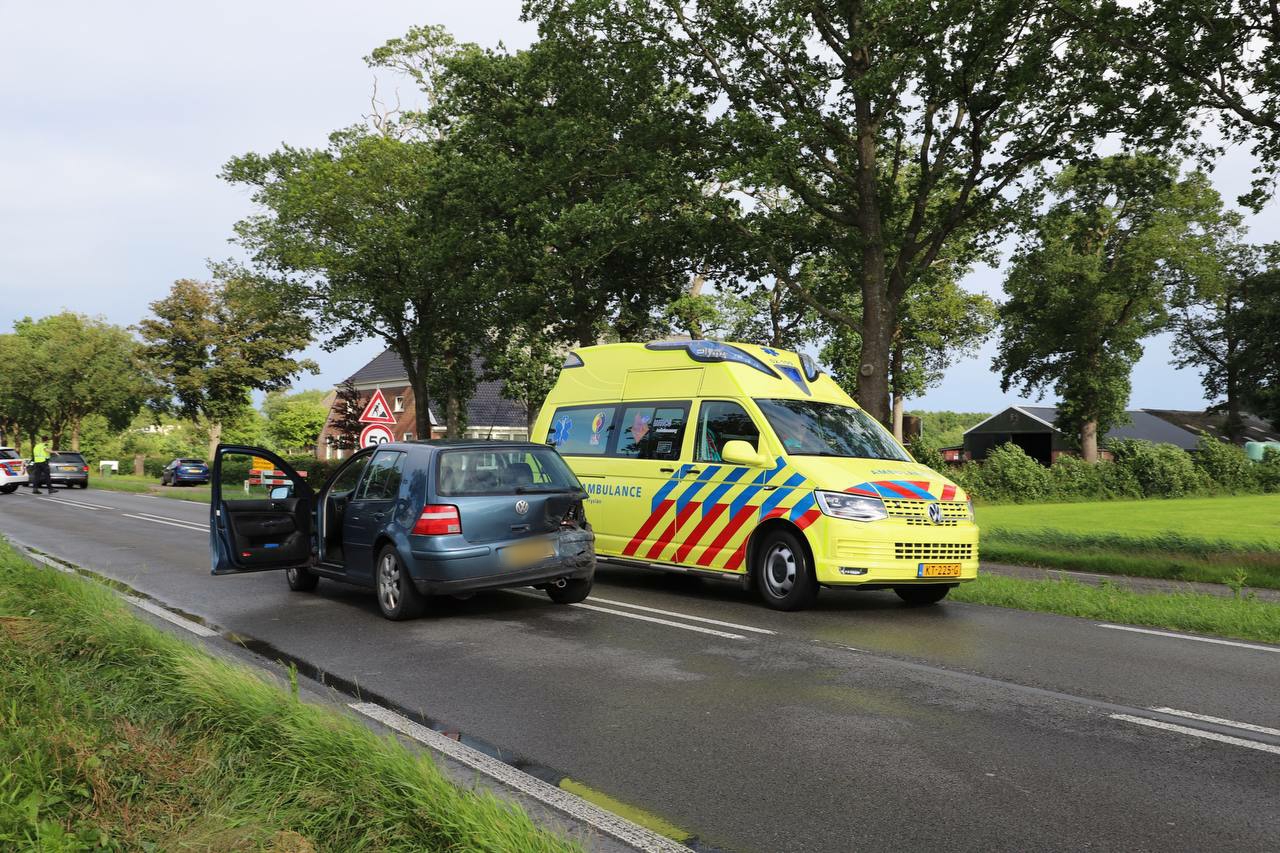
x,y
13,471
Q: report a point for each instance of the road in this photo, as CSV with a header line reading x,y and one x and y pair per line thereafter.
x,y
859,725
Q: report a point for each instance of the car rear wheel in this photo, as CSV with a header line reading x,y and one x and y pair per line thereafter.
x,y
398,598
8,489
783,577
923,594
572,592
301,579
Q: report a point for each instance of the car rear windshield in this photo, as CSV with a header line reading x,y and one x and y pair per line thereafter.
x,y
485,471
190,461
8,453
66,456
808,428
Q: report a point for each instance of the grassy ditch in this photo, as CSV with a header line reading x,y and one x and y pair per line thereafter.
x,y
1242,618
1226,540
1168,555
116,736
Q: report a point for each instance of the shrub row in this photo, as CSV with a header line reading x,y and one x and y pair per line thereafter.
x,y
237,468
1141,469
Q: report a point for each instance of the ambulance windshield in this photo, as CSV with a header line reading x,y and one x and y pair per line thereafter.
x,y
808,428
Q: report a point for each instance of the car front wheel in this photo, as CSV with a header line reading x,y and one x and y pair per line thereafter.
x,y
923,594
301,579
398,598
783,577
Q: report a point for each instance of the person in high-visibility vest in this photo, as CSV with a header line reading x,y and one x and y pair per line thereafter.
x,y
40,467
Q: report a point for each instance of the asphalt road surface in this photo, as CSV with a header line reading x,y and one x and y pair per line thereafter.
x,y
859,725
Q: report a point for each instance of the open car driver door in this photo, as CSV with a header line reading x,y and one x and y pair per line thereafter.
x,y
261,513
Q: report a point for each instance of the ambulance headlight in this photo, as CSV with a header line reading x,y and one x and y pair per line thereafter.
x,y
851,507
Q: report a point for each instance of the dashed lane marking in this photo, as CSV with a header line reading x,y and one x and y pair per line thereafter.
x,y
713,632
1213,640
73,504
1200,733
557,798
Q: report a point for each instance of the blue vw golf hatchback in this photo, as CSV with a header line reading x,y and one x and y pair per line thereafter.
x,y
408,520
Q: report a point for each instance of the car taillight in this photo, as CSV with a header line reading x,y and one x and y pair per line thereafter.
x,y
438,520
86,469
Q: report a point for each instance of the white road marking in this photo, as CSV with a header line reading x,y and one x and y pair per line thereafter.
x,y
713,632
1222,721
173,522
684,616
1213,640
75,504
571,804
156,610
142,604
1201,733
53,564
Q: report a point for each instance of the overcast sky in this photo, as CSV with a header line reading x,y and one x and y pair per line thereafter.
x,y
117,117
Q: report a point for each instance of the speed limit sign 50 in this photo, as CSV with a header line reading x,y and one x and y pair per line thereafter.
x,y
375,434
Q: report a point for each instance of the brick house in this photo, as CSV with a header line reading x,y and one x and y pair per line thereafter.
x,y
489,414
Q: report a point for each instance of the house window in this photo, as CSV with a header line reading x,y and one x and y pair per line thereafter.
x,y
408,436
399,406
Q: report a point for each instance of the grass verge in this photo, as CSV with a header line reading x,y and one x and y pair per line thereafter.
x,y
150,486
1240,618
114,735
1166,555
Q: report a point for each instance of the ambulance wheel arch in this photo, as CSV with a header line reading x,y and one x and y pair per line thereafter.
x,y
760,538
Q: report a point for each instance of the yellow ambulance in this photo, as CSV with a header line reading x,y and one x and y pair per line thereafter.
x,y
749,463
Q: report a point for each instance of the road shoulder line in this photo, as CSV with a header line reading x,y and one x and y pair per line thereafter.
x,y
1214,640
561,800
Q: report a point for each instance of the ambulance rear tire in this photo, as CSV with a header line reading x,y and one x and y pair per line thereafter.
x,y
922,595
301,579
782,572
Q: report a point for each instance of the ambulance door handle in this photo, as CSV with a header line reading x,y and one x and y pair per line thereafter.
x,y
666,470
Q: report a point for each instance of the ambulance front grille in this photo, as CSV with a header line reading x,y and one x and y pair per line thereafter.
x,y
916,551
917,512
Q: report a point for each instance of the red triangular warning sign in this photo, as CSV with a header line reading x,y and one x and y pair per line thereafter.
x,y
377,412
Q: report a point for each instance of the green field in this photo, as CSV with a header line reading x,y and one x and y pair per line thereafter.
x,y
1214,540
1242,519
116,736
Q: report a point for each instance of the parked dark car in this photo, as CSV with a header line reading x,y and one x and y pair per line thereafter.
x,y
410,520
182,472
68,468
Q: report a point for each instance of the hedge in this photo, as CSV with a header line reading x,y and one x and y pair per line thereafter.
x,y
1140,469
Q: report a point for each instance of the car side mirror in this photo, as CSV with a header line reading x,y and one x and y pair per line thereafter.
x,y
738,452
281,493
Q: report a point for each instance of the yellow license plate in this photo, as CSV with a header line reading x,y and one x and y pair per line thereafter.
x,y
939,570
527,553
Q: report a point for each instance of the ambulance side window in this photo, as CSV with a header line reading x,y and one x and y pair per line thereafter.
x,y
652,431
581,430
720,421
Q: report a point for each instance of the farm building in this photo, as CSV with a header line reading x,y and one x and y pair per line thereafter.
x,y
1032,428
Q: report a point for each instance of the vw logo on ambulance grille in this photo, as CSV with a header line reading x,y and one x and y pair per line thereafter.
x,y
522,506
935,513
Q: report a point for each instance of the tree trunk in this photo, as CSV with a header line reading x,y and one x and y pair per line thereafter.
x,y
452,417
215,438
897,417
895,369
75,435
878,310
1089,441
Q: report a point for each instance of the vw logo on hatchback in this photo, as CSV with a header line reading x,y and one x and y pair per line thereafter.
x,y
935,513
522,506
